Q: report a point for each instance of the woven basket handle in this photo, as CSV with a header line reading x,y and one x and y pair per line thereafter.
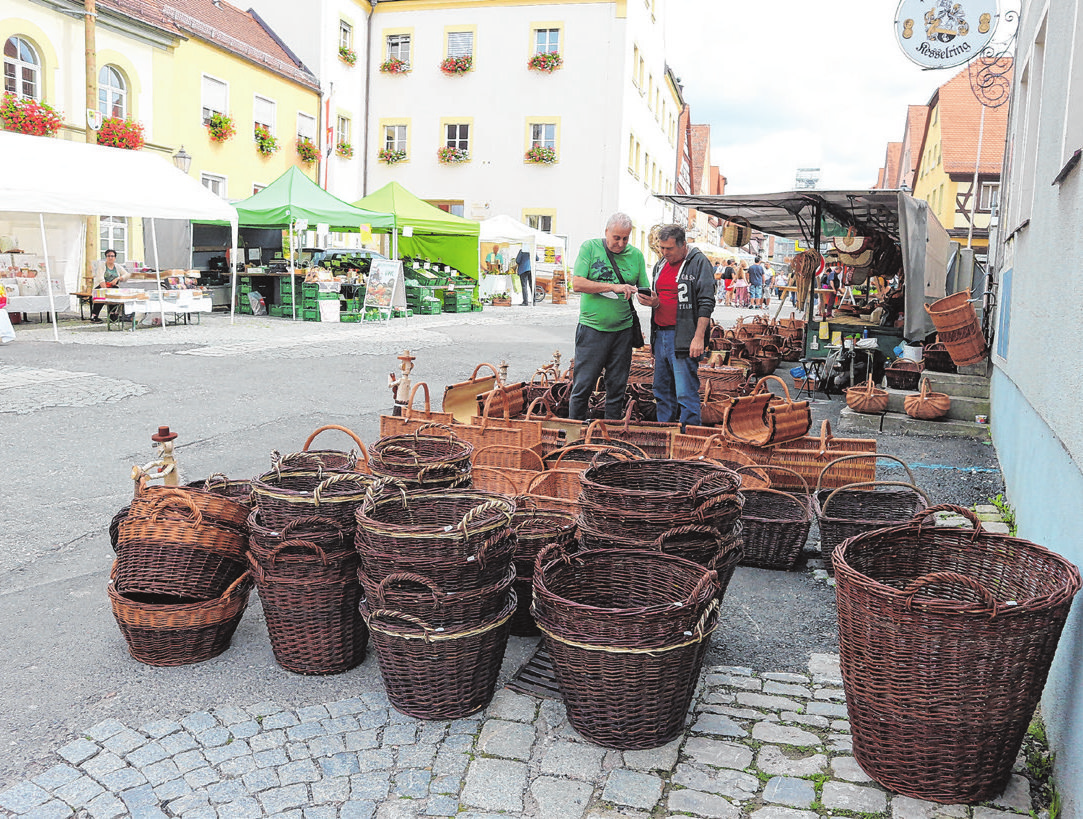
x,y
693,493
488,406
614,453
769,467
924,389
551,551
296,459
442,427
539,402
390,614
329,482
594,426
921,516
525,503
376,488
399,450
876,455
482,508
710,442
823,509
235,585
407,577
869,387
951,577
482,554
351,433
710,576
437,472
546,374
420,385
761,387
313,520
477,369
701,624
628,415
659,543
214,479
307,544
704,510
172,499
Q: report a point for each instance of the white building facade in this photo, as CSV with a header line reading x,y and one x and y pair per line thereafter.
x,y
607,117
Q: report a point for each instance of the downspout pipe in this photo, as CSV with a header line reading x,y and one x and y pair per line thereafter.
x,y
368,87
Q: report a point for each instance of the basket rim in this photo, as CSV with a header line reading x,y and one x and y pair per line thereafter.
x,y
402,530
708,468
261,487
431,634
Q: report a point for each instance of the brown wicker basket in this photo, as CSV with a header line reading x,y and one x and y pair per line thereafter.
x,y
868,398
214,506
281,496
328,459
422,597
509,457
424,461
555,489
432,674
411,419
762,419
238,491
958,328
536,528
326,533
903,374
580,456
938,359
775,524
720,512
314,625
766,359
927,405
946,636
169,633
657,486
654,439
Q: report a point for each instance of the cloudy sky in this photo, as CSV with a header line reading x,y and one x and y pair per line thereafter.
x,y
789,84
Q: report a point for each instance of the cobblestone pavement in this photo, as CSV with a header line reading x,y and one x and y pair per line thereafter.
x,y
759,745
25,390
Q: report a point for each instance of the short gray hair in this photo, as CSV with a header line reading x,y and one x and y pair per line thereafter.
x,y
675,232
619,220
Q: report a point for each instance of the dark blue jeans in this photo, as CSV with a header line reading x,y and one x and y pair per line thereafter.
x,y
676,381
596,350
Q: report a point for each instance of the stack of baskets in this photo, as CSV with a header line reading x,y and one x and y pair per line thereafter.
x,y
302,562
437,571
179,585
627,631
535,528
424,461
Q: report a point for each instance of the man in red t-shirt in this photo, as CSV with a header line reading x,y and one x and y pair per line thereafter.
x,y
683,301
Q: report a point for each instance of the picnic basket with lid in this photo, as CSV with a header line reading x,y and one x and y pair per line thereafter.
x,y
946,636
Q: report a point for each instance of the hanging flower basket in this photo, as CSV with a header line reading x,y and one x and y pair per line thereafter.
x,y
265,143
347,55
455,66
307,150
391,157
121,133
220,127
452,156
540,155
394,66
27,116
547,61
345,150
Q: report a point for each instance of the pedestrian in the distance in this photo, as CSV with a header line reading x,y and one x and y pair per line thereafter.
x,y
727,279
755,284
607,274
522,264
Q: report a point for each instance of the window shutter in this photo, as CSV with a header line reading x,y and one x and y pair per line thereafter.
x,y
460,44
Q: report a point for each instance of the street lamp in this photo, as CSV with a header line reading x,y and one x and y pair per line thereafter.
x,y
183,160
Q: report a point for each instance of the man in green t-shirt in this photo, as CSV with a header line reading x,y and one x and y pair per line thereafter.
x,y
603,339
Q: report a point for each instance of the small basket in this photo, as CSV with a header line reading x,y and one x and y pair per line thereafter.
x,y
170,634
432,674
868,398
903,374
214,506
315,550
938,359
946,636
424,461
282,496
238,491
927,405
327,459
775,524
423,598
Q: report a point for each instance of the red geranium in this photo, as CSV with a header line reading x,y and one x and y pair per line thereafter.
x,y
121,133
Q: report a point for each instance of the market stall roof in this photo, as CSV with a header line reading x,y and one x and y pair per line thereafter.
x,y
410,211
294,196
56,176
506,229
790,214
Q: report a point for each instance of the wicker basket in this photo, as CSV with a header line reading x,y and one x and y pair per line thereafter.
x,y
536,528
868,398
938,359
903,374
327,533
432,674
168,634
958,328
238,491
461,538
555,489
411,419
657,486
509,457
327,459
214,506
580,456
927,405
766,359
314,625
654,439
763,419
282,496
424,461
422,597
809,455
721,512
775,524
946,636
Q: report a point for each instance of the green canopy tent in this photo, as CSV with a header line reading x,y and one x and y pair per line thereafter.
x,y
437,235
294,197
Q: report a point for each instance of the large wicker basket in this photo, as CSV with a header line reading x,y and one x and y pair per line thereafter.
x,y
775,524
903,374
282,496
958,328
429,461
328,459
946,636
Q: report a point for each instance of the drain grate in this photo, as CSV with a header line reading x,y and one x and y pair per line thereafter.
x,y
537,677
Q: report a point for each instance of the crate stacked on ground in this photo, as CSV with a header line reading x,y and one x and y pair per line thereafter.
x,y
691,509
303,526
179,585
627,631
560,288
431,457
309,307
458,299
437,569
244,287
535,529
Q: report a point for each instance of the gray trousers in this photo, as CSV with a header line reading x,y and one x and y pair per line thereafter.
x,y
596,350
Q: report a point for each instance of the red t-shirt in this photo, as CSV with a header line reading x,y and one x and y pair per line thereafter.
x,y
665,314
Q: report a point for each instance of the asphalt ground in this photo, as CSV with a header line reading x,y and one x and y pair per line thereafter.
x,y
76,416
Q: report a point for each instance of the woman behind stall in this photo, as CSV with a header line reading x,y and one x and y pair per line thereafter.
x,y
107,274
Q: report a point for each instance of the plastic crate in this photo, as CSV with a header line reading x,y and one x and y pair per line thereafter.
x,y
276,310
310,314
458,308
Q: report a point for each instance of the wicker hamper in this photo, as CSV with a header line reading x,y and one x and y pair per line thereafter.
x,y
946,636
867,398
958,328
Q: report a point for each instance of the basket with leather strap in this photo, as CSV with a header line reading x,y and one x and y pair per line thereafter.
x,y
411,419
946,636
763,418
281,495
445,674
424,461
461,538
927,405
425,598
165,632
356,460
860,507
868,398
958,328
903,374
775,524
313,623
938,359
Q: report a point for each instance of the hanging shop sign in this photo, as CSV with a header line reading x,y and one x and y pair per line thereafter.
x,y
944,33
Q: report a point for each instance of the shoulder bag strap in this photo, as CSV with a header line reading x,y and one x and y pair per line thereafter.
x,y
616,271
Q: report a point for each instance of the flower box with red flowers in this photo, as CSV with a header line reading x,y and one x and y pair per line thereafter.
x,y
391,156
220,127
266,144
307,150
344,150
541,155
347,55
449,155
394,65
121,133
547,61
455,66
27,116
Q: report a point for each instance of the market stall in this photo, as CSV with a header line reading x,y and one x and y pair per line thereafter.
x,y
55,180
546,251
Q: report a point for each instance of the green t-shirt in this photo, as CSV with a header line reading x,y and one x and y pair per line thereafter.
x,y
597,310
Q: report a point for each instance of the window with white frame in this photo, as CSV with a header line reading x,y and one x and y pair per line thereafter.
x,y
540,221
214,183
395,137
456,135
113,235
215,97
112,93
460,44
546,40
398,47
345,34
990,196
306,126
263,113
22,69
342,130
543,135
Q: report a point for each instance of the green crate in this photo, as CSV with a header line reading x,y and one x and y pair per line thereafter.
x,y
310,287
328,295
285,298
310,315
349,318
430,309
310,304
457,308
476,307
275,310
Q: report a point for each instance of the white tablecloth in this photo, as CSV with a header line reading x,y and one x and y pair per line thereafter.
x,y
35,304
497,283
181,305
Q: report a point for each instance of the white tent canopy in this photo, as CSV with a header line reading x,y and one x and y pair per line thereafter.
x,y
52,176
504,229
